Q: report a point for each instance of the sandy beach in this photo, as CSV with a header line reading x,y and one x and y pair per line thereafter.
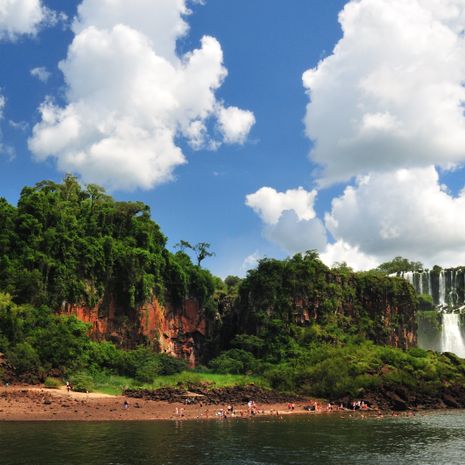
x,y
31,403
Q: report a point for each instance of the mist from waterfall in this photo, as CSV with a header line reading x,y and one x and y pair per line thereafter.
x,y
451,337
447,291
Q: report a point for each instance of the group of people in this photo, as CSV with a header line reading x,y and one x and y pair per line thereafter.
x,y
251,407
360,405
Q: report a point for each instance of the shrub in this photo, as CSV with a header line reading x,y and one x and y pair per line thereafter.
x,y
24,359
82,382
281,377
52,383
235,361
147,372
170,365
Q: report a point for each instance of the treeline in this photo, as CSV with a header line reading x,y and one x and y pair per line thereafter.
x,y
285,297
68,243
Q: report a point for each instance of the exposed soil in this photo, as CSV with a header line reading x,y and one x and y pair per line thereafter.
x,y
31,403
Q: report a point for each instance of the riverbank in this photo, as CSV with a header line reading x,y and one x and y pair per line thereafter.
x,y
31,403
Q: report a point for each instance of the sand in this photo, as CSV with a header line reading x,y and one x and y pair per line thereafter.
x,y
31,403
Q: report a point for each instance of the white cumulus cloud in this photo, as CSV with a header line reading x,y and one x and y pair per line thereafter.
x,y
24,17
391,94
270,204
342,252
405,212
289,218
235,124
130,96
293,235
386,108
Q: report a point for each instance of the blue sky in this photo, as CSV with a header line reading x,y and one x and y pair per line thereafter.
x,y
368,152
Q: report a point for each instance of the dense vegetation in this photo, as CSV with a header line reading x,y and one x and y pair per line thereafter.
x,y
293,324
65,243
284,297
306,328
38,343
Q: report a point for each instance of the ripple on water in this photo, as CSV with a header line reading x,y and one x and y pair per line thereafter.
x,y
429,439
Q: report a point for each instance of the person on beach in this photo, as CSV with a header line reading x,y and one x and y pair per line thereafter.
x,y
68,386
125,405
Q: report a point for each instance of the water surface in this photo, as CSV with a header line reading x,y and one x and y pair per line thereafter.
x,y
428,439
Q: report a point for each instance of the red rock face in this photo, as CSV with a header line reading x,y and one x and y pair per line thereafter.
x,y
174,331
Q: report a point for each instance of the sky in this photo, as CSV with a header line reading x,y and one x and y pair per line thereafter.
x,y
263,127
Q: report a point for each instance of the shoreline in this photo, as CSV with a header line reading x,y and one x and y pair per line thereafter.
x,y
35,403
31,403
25,403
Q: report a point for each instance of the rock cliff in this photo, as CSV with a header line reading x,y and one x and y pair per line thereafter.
x,y
378,308
303,291
179,332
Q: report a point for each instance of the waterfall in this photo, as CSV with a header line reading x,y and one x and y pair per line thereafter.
x,y
442,288
447,289
408,276
451,337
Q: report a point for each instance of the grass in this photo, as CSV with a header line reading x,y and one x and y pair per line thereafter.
x,y
53,383
112,384
115,385
214,380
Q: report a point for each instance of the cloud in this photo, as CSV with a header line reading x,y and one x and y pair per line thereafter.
x,y
391,94
341,252
289,218
293,235
2,108
386,108
41,73
24,17
235,124
130,97
405,212
19,125
4,149
251,261
270,204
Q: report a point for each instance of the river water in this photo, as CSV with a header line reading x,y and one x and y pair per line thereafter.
x,y
426,439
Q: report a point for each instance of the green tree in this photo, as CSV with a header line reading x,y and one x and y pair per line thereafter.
x,y
398,265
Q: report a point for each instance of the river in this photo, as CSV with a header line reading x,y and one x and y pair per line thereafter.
x,y
426,439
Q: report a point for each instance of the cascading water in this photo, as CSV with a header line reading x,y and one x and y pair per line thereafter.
x,y
451,337
442,288
447,290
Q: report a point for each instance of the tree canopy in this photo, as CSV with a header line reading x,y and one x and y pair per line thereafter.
x,y
68,243
399,265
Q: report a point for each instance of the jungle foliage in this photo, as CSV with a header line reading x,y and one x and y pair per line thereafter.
x,y
38,343
67,243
